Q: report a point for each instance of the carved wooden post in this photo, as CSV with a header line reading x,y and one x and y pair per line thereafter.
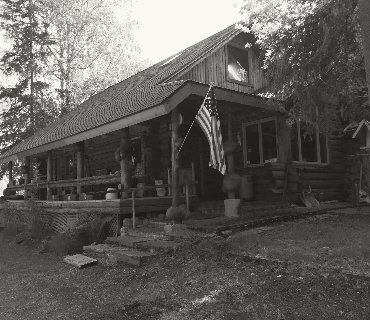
x,y
80,163
49,173
10,169
230,156
175,160
125,159
27,175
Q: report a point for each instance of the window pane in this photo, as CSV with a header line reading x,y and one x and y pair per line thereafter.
x,y
252,143
308,147
294,142
238,65
269,141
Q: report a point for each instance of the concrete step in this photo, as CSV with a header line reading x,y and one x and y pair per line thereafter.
x,y
144,243
132,257
119,254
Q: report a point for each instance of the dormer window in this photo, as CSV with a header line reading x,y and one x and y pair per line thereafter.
x,y
237,65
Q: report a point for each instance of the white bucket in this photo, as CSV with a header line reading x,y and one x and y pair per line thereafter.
x,y
111,194
161,192
141,193
232,207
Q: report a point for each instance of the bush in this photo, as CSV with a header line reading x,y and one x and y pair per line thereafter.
x,y
73,240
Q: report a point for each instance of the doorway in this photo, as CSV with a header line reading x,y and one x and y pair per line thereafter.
x,y
196,150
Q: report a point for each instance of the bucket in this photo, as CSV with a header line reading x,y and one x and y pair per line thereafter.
x,y
246,188
161,192
111,194
141,193
232,207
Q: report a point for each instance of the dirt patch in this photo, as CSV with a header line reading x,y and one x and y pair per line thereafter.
x,y
202,281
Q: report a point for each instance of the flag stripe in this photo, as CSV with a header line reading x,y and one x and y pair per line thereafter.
x,y
207,119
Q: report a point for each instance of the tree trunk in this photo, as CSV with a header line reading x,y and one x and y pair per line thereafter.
x,y
230,157
49,172
126,174
175,160
80,163
364,14
10,169
27,164
32,70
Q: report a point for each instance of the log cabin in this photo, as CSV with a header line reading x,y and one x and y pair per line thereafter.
x,y
127,136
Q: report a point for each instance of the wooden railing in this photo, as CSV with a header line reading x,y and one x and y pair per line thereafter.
x,y
96,180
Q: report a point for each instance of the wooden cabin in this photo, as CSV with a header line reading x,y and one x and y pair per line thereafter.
x,y
80,157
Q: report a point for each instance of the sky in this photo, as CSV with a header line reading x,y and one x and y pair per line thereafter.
x,y
169,26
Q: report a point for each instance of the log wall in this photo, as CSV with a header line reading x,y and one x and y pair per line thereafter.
x,y
326,181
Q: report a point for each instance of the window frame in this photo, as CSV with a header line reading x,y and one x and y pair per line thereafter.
x,y
259,123
317,142
240,47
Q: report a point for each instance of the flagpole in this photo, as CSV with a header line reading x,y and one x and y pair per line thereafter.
x,y
210,86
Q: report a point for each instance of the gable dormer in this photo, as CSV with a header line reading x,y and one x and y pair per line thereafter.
x,y
234,65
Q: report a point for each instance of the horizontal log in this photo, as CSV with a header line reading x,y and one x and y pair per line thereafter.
x,y
336,142
291,197
83,210
315,184
96,180
109,205
337,154
279,166
260,181
338,161
280,175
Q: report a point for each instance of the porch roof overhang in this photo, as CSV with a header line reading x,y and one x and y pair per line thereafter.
x,y
34,145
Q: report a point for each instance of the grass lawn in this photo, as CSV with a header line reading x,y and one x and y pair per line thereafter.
x,y
332,240
203,281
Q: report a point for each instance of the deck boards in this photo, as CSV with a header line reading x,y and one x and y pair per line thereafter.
x,y
119,206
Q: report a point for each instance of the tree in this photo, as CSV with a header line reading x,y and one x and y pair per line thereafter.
x,y
25,103
93,49
313,56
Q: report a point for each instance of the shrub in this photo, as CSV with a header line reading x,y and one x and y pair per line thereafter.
x,y
73,239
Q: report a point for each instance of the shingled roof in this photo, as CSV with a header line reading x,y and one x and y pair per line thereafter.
x,y
138,93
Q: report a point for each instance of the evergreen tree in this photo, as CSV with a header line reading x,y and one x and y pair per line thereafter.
x,y
26,105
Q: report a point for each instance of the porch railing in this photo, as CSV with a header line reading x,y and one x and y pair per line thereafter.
x,y
100,180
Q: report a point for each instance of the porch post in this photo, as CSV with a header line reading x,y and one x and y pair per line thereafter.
x,y
80,163
230,156
27,175
125,156
49,172
10,169
174,158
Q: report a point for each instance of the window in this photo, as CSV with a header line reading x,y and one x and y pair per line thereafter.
x,y
308,148
259,142
237,64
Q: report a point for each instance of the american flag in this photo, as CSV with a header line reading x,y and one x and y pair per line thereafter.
x,y
208,120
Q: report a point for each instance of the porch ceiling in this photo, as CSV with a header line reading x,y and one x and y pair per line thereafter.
x,y
240,101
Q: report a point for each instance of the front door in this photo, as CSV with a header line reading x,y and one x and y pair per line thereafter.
x,y
196,150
